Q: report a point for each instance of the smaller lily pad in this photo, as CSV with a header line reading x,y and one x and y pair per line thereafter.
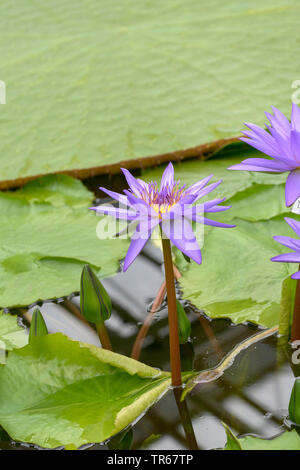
x,y
289,440
12,336
58,392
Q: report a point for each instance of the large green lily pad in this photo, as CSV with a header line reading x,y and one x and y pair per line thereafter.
x,y
57,392
47,234
94,83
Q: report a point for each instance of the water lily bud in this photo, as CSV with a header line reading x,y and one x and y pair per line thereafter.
x,y
294,405
95,302
38,326
183,324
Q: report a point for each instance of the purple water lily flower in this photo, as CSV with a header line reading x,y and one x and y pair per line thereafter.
x,y
282,143
293,257
146,206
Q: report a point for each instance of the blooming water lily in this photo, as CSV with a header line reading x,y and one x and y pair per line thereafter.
x,y
170,206
282,143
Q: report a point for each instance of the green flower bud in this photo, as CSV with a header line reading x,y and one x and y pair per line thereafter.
x,y
38,326
95,302
184,324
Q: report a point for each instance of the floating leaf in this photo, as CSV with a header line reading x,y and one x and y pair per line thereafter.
x,y
38,326
94,83
289,440
47,235
12,336
57,392
95,303
232,441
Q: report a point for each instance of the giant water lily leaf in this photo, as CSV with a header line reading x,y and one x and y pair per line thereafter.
x,y
47,235
57,392
93,83
12,335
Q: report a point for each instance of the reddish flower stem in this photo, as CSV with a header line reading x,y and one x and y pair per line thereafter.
x,y
186,420
296,317
103,336
138,344
172,314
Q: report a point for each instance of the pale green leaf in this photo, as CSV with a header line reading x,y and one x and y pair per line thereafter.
x,y
12,336
289,440
56,392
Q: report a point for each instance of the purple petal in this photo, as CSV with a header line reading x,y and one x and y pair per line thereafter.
x,y
284,147
261,136
288,241
295,117
266,163
178,209
133,183
261,146
296,275
287,258
204,220
140,205
294,224
295,146
279,121
213,202
203,192
260,164
123,214
119,197
196,187
180,233
138,241
292,187
167,179
212,206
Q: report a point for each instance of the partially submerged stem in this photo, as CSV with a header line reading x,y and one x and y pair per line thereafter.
x,y
296,317
172,314
138,344
103,336
72,308
137,347
185,420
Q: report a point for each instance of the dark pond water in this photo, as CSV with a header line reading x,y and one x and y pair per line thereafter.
x,y
251,396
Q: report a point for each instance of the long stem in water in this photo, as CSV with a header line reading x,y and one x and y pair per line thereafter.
x,y
296,317
172,315
185,420
137,347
